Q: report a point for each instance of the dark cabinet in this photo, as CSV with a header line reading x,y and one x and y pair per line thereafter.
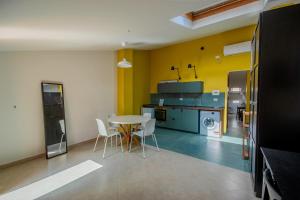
x,y
180,87
275,86
168,87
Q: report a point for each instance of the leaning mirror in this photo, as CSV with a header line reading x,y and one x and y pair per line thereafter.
x,y
54,119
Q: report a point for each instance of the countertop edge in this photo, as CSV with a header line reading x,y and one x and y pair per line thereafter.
x,y
183,106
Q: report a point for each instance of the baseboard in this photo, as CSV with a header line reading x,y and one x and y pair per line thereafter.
x,y
72,146
18,162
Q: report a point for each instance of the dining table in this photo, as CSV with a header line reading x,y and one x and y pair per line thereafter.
x,y
126,123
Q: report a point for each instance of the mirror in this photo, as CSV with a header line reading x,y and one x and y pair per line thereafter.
x,y
54,119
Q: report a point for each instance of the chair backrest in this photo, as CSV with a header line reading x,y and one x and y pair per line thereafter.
x,y
62,126
149,127
148,115
101,128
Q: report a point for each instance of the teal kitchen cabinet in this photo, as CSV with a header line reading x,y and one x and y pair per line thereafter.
x,y
189,120
180,87
181,119
166,88
173,117
192,87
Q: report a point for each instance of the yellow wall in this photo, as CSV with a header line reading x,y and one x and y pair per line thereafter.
x,y
133,83
214,73
125,84
141,83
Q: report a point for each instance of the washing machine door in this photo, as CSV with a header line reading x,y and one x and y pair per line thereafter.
x,y
209,123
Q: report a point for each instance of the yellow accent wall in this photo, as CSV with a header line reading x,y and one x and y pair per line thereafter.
x,y
125,84
141,80
213,72
133,83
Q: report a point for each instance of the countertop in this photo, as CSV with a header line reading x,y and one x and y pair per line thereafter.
x,y
285,168
185,107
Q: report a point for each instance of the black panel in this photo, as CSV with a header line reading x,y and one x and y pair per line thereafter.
x,y
275,85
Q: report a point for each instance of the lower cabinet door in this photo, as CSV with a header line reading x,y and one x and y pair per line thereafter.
x,y
181,119
189,120
173,117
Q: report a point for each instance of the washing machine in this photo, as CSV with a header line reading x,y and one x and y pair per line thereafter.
x,y
210,124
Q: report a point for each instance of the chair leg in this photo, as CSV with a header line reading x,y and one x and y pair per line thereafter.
x,y
143,144
96,142
130,143
121,143
155,141
62,136
116,142
111,141
106,138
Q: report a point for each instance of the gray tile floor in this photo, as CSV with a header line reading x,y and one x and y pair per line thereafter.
x,y
235,127
162,175
195,145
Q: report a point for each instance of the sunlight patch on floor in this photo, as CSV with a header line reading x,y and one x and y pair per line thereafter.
x,y
233,140
53,182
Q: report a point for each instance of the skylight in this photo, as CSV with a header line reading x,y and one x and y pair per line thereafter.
x,y
217,13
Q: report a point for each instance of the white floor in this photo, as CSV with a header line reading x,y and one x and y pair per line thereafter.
x,y
53,182
128,176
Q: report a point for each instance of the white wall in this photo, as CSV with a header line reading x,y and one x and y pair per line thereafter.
x,y
89,89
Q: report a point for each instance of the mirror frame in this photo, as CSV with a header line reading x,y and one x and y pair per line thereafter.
x,y
63,103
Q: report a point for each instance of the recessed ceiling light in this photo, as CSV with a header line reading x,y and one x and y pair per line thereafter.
x,y
235,89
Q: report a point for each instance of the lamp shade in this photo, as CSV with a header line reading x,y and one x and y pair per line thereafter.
x,y
124,63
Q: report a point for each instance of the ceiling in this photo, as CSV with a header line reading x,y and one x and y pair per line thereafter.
x,y
102,24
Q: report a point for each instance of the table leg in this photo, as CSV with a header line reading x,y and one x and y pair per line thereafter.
x,y
127,135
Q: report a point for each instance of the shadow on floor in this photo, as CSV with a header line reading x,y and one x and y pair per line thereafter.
x,y
223,153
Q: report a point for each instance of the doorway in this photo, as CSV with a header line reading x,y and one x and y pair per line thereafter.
x,y
237,102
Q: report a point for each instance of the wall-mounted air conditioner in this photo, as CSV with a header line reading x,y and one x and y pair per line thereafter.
x,y
237,48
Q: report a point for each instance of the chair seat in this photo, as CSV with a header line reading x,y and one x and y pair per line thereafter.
x,y
140,133
112,133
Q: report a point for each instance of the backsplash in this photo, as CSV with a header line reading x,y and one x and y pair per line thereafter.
x,y
205,99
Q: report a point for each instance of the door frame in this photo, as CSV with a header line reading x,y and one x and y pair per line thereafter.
x,y
227,92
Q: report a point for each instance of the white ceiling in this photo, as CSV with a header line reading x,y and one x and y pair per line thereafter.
x,y
101,24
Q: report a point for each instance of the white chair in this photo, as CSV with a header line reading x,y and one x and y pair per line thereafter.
x,y
107,134
63,130
112,125
146,130
147,115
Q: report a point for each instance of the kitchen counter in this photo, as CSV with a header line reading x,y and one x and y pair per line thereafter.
x,y
182,117
184,107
